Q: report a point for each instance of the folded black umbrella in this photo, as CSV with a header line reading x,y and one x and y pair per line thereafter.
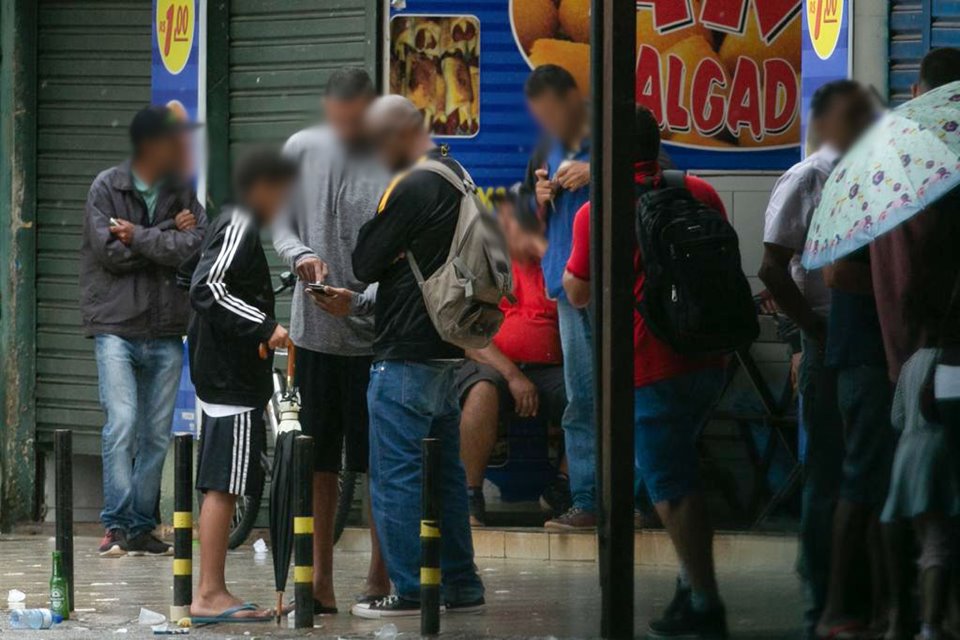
x,y
281,483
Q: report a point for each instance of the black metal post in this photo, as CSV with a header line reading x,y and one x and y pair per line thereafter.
x,y
182,527
613,246
63,456
430,539
303,531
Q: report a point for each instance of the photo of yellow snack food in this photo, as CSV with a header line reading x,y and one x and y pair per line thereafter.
x,y
459,93
647,32
559,31
575,19
695,139
475,104
786,45
691,51
435,62
789,137
572,56
402,39
533,20
463,36
427,36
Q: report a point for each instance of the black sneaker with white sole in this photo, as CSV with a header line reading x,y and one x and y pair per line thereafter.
x,y
389,607
114,544
691,624
147,544
470,606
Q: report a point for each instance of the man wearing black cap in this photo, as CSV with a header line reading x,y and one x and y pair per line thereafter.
x,y
141,221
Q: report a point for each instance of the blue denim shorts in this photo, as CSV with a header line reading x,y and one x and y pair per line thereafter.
x,y
667,418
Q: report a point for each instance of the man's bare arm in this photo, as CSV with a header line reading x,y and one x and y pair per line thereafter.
x,y
577,290
775,274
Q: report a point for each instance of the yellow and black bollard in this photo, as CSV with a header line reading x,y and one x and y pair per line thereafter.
x,y
182,527
63,459
430,539
303,531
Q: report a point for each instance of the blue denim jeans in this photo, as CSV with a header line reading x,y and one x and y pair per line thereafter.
x,y
409,401
138,389
823,462
580,434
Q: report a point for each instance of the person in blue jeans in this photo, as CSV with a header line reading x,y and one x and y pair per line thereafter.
x,y
556,186
140,224
412,393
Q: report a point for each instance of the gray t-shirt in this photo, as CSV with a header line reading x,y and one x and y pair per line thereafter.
x,y
337,191
792,203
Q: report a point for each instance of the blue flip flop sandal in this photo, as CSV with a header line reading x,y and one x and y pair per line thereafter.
x,y
229,615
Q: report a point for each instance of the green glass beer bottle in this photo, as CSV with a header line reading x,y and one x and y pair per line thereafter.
x,y
59,593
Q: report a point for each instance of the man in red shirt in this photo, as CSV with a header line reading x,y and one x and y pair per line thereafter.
x,y
521,371
672,398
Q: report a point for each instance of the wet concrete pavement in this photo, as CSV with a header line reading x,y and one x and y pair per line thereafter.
x,y
525,598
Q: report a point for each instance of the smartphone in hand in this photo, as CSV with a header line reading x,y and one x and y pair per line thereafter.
x,y
320,289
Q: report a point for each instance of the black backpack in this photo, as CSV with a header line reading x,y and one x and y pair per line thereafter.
x,y
695,297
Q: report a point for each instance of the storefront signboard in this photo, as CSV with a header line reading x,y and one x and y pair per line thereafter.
x,y
722,76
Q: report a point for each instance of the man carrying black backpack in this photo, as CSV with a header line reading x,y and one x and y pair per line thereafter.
x,y
678,375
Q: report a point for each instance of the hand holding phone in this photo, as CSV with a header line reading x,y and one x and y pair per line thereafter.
x,y
320,289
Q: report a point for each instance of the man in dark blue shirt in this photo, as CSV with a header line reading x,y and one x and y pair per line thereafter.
x,y
557,185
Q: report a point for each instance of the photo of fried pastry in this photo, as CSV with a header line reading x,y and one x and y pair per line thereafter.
x,y
558,32
435,62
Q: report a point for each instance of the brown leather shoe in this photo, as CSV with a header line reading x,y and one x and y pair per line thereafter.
x,y
575,519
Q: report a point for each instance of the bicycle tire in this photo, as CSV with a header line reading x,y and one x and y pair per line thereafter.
x,y
347,485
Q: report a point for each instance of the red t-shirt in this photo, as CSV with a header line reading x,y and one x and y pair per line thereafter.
x,y
530,333
653,360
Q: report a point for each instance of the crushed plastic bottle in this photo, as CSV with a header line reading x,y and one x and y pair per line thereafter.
x,y
31,619
386,632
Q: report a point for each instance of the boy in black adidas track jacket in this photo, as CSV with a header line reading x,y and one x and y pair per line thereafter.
x,y
232,298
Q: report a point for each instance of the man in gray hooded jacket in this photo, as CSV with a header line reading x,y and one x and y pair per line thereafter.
x,y
340,184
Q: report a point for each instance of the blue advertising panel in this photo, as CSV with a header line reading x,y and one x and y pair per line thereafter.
x,y
826,49
722,76
178,66
177,77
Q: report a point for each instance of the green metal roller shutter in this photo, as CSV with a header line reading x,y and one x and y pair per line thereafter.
x,y
281,54
94,73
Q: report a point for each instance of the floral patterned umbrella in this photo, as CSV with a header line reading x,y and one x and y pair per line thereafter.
x,y
909,160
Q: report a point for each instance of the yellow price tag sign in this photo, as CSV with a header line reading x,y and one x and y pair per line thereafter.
x,y
825,18
176,22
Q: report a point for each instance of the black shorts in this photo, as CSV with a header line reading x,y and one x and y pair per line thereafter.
x,y
333,408
230,451
548,379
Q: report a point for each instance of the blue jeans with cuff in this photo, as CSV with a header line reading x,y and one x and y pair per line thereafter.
x,y
579,431
138,380
409,401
